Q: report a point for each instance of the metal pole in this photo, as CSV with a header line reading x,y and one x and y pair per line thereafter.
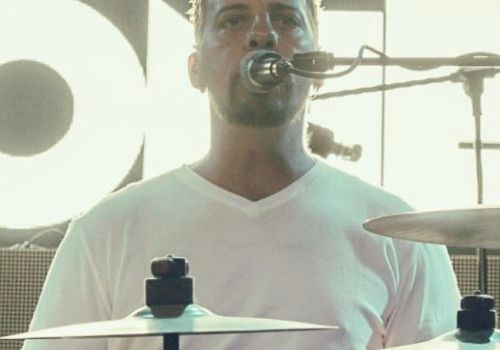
x,y
383,99
474,87
424,62
171,342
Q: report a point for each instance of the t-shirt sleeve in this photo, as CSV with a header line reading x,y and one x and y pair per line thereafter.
x,y
74,292
427,298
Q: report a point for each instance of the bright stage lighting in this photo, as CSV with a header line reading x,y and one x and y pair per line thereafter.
x,y
107,82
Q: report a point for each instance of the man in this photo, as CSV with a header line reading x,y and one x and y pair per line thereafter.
x,y
269,229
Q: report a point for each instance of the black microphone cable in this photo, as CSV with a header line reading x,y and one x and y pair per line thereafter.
x,y
301,61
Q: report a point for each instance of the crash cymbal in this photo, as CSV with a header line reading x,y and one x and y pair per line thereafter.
x,y
456,340
194,320
474,227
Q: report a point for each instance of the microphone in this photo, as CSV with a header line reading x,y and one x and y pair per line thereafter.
x,y
321,142
262,70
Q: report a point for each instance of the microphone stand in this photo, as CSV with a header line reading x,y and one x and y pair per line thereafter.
x,y
473,80
477,59
456,77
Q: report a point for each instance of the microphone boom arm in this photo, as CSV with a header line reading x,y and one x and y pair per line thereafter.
x,y
322,61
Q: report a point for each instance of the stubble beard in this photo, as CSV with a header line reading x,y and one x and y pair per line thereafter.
x,y
260,110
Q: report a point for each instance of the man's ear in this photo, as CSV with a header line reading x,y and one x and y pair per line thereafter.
x,y
195,73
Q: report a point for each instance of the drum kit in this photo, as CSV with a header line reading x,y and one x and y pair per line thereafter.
x,y
466,228
170,311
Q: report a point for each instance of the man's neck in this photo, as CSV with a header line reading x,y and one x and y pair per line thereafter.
x,y
255,162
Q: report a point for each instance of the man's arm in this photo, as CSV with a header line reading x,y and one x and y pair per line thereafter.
x,y
428,296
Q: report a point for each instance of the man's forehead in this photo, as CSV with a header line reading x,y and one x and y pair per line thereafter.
x,y
216,5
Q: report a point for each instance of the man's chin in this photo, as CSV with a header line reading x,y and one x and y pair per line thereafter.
x,y
260,116
261,110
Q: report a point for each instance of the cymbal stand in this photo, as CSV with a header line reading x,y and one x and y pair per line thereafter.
x,y
169,292
171,342
474,87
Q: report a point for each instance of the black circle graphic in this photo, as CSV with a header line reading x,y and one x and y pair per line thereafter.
x,y
36,108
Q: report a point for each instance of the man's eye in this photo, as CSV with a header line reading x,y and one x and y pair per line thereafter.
x,y
287,21
232,22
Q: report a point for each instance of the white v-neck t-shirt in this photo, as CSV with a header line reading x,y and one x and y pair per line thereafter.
x,y
299,254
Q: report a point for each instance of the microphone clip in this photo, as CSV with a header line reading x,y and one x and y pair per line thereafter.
x,y
315,61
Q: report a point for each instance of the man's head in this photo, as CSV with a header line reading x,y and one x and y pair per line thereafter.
x,y
196,13
226,31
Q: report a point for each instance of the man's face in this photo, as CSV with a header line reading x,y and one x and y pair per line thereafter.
x,y
232,29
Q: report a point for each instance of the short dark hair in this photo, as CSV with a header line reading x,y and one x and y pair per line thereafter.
x,y
195,14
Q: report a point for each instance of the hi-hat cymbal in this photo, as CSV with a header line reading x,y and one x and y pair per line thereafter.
x,y
194,320
453,341
474,227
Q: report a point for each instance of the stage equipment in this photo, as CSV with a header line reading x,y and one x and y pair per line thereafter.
x,y
471,78
476,227
321,142
468,228
261,70
170,312
22,273
487,340
475,328
485,145
25,270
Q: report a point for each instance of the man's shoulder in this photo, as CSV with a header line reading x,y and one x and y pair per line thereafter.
x,y
133,198
378,200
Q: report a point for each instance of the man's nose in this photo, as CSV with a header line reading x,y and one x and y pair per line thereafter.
x,y
262,34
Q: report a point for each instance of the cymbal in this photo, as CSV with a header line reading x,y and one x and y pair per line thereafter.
x,y
451,341
194,320
474,227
